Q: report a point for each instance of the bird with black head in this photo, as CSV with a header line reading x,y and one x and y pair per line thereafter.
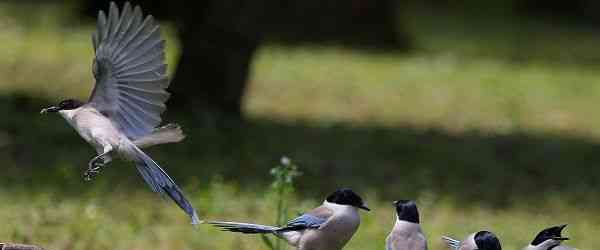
x,y
482,240
406,233
327,227
123,113
549,239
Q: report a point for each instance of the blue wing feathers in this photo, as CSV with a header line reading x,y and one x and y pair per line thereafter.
x,y
305,221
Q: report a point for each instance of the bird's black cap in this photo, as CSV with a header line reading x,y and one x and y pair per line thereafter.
x,y
486,240
346,196
554,233
407,211
67,104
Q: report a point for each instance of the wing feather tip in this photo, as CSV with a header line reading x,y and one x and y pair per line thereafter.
x,y
117,30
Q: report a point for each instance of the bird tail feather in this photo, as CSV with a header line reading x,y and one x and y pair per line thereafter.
x,y
452,243
170,133
245,228
160,182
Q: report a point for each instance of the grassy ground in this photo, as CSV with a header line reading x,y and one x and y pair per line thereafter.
x,y
493,130
125,219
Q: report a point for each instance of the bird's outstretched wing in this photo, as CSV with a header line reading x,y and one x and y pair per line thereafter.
x,y
309,220
129,70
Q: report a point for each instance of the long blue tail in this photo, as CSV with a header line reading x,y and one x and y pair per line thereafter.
x,y
246,228
161,183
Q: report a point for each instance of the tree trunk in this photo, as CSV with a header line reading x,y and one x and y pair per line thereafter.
x,y
218,41
212,72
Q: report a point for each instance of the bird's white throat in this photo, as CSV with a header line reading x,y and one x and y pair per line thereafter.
x,y
403,222
68,114
337,207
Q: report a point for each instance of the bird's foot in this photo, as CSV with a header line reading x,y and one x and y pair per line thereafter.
x,y
89,174
94,167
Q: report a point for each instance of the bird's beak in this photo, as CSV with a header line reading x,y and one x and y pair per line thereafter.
x,y
50,109
363,206
561,227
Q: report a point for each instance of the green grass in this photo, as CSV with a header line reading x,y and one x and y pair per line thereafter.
x,y
486,126
122,219
443,91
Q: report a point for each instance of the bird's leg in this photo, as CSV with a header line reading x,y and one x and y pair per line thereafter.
x,y
96,164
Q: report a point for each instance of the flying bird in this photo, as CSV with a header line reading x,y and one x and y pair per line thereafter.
x,y
549,239
407,233
124,110
482,240
327,227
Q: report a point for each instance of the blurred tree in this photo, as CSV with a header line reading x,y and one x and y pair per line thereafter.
x,y
218,40
580,10
219,37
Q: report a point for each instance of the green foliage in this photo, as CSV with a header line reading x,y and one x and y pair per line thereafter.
x,y
283,186
119,218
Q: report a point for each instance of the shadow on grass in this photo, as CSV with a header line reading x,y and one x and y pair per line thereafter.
x,y
41,152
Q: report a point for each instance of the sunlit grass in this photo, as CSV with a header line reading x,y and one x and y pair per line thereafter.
x,y
444,91
121,219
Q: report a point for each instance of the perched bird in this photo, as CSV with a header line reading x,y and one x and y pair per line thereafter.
x,y
327,227
549,239
482,240
407,233
124,110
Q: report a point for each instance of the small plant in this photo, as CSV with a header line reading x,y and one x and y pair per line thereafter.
x,y
282,186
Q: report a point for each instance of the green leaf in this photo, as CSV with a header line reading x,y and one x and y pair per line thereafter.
x,y
267,242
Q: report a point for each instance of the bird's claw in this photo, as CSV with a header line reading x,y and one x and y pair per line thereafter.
x,y
94,168
89,175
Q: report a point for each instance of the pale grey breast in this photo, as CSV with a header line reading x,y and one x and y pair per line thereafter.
x,y
95,128
468,243
335,233
406,236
